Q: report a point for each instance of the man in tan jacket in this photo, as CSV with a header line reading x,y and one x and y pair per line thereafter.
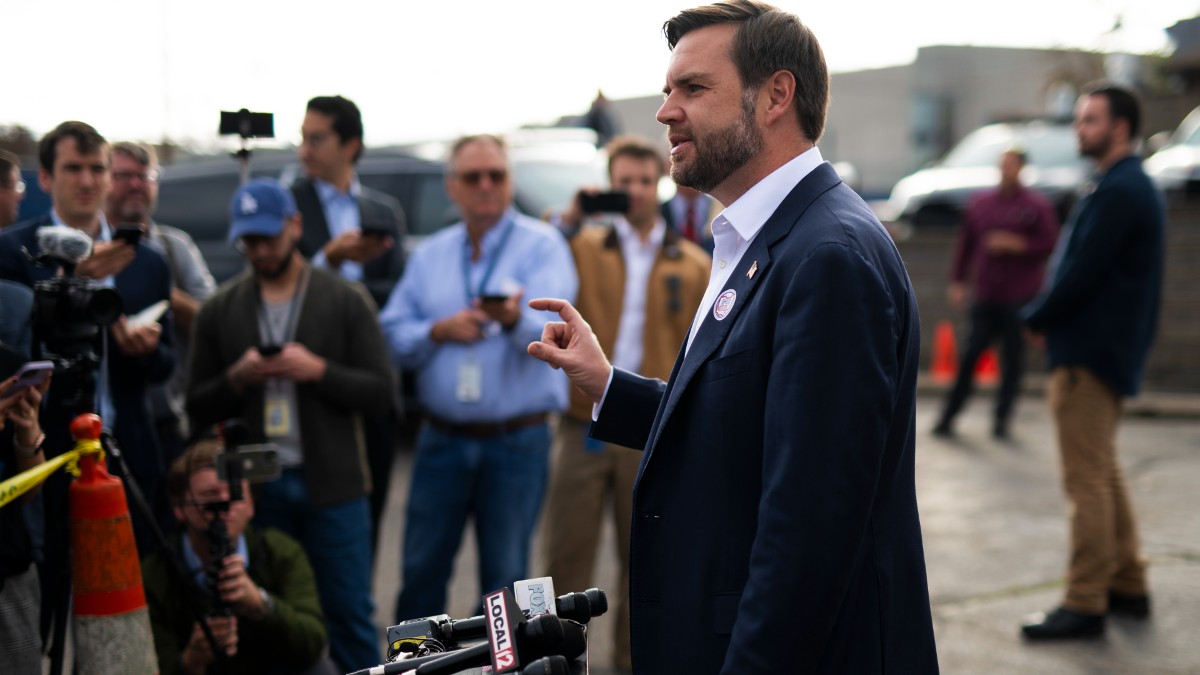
x,y
639,285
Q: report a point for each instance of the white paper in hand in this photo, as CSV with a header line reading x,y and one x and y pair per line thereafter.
x,y
150,314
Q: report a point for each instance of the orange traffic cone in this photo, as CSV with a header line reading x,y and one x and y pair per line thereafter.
x,y
945,354
987,368
112,624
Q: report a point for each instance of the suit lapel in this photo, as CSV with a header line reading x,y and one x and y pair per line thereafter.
x,y
741,286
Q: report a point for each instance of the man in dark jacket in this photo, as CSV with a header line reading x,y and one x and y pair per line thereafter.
x,y
274,624
1098,314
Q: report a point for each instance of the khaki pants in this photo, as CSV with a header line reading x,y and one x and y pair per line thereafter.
x,y
581,483
1104,538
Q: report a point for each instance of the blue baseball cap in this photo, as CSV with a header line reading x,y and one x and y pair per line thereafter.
x,y
260,208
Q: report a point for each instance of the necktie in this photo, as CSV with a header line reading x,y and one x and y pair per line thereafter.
x,y
689,221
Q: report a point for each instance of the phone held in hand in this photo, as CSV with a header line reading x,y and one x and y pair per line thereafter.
x,y
493,299
130,233
269,350
604,202
32,374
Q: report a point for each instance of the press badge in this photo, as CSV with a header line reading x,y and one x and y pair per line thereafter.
x,y
470,381
276,420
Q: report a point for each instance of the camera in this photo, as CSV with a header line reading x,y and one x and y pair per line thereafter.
x,y
604,202
69,314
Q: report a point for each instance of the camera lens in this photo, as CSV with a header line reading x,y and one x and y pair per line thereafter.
x,y
105,306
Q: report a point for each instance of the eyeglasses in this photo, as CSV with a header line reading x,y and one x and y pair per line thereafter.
x,y
128,176
496,176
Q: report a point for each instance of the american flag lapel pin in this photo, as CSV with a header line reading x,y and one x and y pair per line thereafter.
x,y
752,270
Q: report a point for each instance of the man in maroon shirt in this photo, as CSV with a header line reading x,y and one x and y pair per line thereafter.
x,y
1005,238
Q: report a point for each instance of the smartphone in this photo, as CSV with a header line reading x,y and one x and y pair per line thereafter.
x,y
260,463
486,299
32,374
247,124
130,233
604,202
378,230
269,350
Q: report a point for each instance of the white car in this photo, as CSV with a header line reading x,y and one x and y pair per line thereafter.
x,y
1176,167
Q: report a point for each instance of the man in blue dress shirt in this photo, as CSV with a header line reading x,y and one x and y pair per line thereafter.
x,y
459,320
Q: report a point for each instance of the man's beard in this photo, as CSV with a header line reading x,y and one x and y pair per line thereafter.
x,y
1097,149
720,154
135,214
282,267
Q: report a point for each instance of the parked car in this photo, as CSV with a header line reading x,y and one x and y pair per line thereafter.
x,y
937,195
1176,166
194,196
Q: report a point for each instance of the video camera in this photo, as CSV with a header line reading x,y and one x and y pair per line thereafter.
x,y
237,463
69,313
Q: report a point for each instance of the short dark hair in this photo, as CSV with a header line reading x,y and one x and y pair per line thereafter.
x,y
201,455
636,147
347,120
1122,104
768,40
463,141
7,162
87,141
139,152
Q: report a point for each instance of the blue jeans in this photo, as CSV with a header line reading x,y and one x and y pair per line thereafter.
x,y
337,540
500,482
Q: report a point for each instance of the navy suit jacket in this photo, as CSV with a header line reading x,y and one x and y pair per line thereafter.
x,y
775,515
145,281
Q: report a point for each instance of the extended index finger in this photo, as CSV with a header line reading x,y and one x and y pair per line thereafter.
x,y
562,307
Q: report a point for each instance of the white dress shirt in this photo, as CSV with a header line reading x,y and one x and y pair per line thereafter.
x,y
639,259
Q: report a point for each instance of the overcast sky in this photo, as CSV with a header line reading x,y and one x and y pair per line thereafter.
x,y
149,69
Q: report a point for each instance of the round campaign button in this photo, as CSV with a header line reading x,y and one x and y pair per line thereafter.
x,y
724,304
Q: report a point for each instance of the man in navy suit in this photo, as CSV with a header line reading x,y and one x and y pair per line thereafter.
x,y
775,515
75,172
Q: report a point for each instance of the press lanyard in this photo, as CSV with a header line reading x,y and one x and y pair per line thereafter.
x,y
288,326
487,274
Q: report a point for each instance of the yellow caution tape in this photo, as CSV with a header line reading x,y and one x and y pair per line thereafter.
x,y
24,482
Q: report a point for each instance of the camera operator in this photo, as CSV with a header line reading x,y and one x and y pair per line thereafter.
x,y
273,623
75,172
20,450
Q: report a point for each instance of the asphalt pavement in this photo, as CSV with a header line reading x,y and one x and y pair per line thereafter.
x,y
995,531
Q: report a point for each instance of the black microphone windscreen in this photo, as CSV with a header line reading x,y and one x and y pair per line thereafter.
x,y
598,600
548,665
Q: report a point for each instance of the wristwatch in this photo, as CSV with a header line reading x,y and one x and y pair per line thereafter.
x,y
268,606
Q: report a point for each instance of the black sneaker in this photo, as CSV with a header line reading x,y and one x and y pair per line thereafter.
x,y
943,430
1136,606
1063,624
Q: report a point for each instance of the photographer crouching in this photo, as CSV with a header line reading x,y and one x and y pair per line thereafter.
x,y
261,598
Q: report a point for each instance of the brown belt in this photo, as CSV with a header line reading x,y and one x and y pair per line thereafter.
x,y
487,429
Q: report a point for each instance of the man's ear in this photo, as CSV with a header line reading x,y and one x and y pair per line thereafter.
x,y
178,511
780,90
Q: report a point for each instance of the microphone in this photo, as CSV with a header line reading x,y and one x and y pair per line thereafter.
x,y
63,243
548,665
578,607
535,596
537,639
